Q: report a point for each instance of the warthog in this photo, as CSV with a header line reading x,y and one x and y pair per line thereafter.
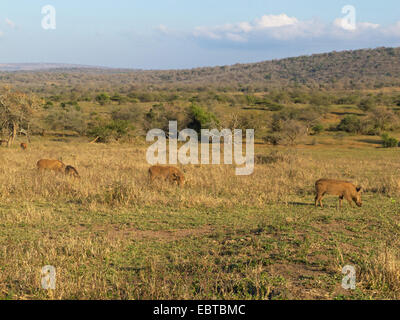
x,y
70,170
167,173
57,166
343,189
54,165
24,146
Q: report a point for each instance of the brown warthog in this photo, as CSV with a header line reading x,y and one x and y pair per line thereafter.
x,y
54,165
343,189
57,166
24,146
167,173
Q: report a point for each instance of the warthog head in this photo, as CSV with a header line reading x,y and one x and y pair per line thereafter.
x,y
71,171
357,197
180,179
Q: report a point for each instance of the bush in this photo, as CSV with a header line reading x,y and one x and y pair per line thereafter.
x,y
103,98
115,129
276,157
350,124
118,98
289,133
251,100
66,119
131,114
348,100
389,142
317,129
201,119
48,105
367,104
274,139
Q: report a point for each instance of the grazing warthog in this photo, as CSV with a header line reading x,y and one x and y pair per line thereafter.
x,y
343,189
70,170
57,166
24,146
54,165
167,173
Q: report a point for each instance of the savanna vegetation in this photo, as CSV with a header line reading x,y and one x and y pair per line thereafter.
x,y
115,235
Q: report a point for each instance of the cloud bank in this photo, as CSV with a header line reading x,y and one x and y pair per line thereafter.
x,y
272,29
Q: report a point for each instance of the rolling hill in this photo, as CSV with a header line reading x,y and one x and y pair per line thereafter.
x,y
366,68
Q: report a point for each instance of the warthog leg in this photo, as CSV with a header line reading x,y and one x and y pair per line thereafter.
x,y
318,199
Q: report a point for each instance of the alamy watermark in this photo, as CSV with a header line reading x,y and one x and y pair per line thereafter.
x,y
48,280
189,152
349,22
349,280
49,20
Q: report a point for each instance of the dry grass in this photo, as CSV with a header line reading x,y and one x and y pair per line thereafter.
x,y
114,174
114,235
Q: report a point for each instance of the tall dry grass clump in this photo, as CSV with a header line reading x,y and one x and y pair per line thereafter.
x,y
382,273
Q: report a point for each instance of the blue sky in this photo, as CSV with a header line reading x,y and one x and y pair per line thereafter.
x,y
166,34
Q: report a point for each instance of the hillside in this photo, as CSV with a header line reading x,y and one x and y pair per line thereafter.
x,y
41,66
359,69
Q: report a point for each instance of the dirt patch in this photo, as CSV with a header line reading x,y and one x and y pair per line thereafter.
x,y
302,282
126,232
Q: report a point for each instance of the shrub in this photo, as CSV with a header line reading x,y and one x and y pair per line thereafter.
x,y
350,124
274,139
66,119
366,104
317,129
48,105
348,100
289,133
103,98
115,129
389,142
201,119
251,100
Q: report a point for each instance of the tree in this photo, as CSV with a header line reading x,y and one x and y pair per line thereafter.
x,y
16,110
367,104
350,123
292,131
384,119
201,119
103,98
289,133
112,130
66,119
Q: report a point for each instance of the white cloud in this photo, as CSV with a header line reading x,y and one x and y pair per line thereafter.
x,y
285,28
229,30
279,27
245,26
343,24
163,29
271,21
10,23
393,31
235,37
367,25
205,32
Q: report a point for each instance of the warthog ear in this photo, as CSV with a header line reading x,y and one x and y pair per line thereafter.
x,y
359,189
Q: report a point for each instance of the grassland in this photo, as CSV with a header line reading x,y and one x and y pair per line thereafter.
x,y
113,235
